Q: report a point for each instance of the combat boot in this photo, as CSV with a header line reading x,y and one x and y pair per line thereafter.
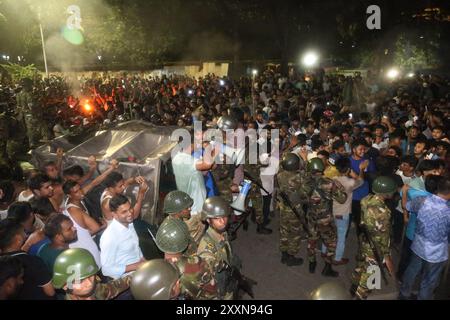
x,y
312,267
263,230
290,260
329,272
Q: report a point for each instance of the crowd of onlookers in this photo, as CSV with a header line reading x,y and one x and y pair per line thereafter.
x,y
398,129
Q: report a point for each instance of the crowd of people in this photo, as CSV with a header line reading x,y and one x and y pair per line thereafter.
x,y
350,150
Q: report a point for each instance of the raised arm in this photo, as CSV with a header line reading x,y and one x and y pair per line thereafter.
x,y
114,165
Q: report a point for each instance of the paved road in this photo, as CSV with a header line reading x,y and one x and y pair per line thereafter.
x,y
261,262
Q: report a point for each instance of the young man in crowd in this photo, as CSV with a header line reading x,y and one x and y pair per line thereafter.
x,y
119,244
430,245
37,280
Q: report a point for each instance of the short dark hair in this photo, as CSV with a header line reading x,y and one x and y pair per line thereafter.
x,y
424,141
428,165
74,171
398,133
68,185
359,142
112,179
444,186
343,164
324,153
441,128
9,228
36,182
42,207
386,165
8,191
432,182
53,226
117,201
10,267
20,211
338,144
410,160
398,151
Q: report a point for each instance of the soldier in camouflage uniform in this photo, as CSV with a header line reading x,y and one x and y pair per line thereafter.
x,y
227,174
255,193
376,216
30,113
321,225
291,182
196,281
157,279
79,262
215,249
177,205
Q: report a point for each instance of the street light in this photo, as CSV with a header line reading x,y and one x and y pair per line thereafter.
x,y
255,72
393,73
411,75
310,59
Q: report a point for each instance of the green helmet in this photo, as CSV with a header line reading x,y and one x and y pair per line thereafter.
x,y
215,207
384,185
316,164
291,162
173,236
154,280
330,291
73,262
177,201
227,123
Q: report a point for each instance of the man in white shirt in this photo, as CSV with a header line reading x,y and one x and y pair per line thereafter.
x,y
119,245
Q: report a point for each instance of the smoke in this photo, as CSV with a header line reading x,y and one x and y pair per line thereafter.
x,y
209,45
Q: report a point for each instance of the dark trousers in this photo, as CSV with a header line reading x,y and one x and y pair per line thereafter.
x,y
356,215
397,226
404,258
431,274
266,208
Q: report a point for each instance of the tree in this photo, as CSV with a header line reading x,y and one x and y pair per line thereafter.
x,y
411,56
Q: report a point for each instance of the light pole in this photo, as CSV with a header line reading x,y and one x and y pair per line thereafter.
x,y
43,43
254,74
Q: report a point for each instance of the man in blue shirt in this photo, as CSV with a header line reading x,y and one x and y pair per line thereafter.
x,y
430,245
359,148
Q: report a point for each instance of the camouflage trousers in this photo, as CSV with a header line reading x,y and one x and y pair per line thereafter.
x,y
325,230
361,277
257,204
35,130
290,230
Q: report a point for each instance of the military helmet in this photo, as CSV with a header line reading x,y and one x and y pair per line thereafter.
x,y
291,162
330,291
154,280
177,201
73,262
227,123
215,207
384,185
172,236
316,164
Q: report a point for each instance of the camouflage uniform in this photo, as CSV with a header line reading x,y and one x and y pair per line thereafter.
x,y
107,291
255,193
197,282
295,186
321,223
377,217
219,257
196,227
30,113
